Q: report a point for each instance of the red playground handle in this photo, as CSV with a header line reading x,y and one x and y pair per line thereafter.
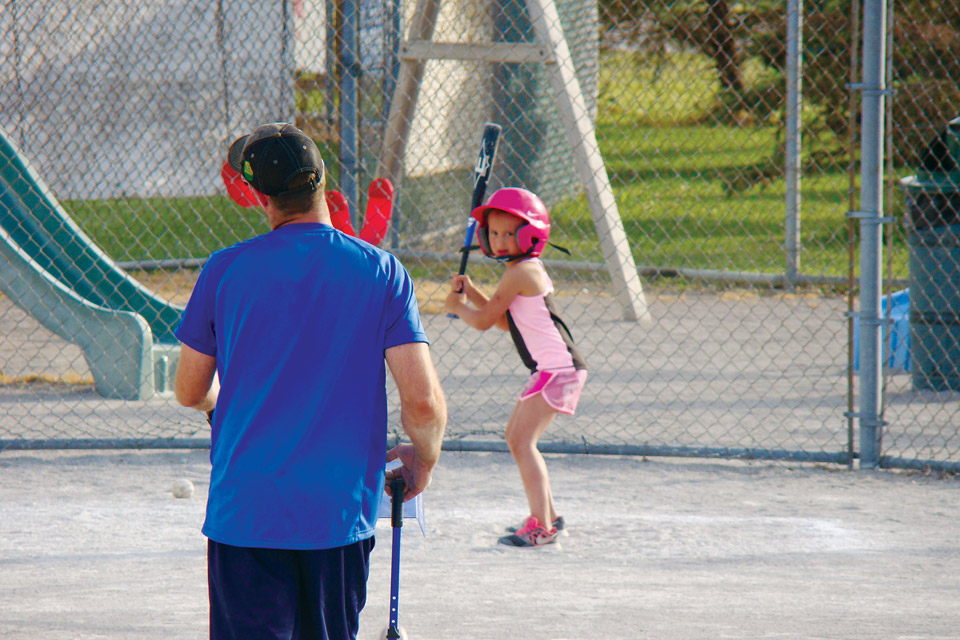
x,y
339,212
237,188
379,205
379,210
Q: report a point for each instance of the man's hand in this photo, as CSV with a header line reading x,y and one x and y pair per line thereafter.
x,y
416,476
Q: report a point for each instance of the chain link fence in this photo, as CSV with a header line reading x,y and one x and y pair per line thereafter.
x,y
729,141
922,382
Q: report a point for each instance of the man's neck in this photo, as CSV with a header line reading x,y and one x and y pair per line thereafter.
x,y
302,218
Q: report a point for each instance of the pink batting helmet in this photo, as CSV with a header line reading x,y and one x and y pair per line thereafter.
x,y
532,236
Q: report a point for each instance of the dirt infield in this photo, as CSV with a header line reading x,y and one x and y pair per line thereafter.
x,y
93,545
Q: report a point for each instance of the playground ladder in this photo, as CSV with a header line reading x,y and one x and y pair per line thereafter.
x,y
551,50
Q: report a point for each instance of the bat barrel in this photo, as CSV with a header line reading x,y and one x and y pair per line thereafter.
x,y
481,175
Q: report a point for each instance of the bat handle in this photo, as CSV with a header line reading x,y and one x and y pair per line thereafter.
x,y
463,270
467,239
396,502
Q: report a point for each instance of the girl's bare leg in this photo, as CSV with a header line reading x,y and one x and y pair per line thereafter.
x,y
529,420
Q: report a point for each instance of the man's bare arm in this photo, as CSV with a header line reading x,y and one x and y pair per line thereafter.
x,y
423,413
196,385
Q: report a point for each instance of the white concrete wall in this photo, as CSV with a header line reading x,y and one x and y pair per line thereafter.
x,y
110,98
455,96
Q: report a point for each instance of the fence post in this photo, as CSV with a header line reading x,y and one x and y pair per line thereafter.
x,y
871,219
349,109
792,150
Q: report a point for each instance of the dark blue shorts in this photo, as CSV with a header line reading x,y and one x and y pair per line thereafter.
x,y
278,593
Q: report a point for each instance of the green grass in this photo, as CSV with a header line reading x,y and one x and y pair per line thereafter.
x,y
172,228
697,195
694,191
708,198
163,228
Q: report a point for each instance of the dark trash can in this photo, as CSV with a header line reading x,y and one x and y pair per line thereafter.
x,y
932,222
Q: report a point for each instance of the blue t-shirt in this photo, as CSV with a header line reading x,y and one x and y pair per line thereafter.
x,y
298,320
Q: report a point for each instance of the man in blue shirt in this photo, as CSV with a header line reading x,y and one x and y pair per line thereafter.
x,y
285,336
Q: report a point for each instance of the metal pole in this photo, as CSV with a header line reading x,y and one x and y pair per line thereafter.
x,y
793,148
17,63
390,85
288,94
349,109
871,219
391,55
224,68
852,227
330,62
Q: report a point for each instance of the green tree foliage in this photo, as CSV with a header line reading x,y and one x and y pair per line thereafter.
x,y
925,63
926,74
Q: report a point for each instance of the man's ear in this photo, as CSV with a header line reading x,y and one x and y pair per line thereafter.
x,y
261,198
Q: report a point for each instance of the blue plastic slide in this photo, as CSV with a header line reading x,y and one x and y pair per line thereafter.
x,y
54,272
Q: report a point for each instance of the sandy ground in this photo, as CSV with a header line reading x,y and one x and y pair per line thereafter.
x,y
93,545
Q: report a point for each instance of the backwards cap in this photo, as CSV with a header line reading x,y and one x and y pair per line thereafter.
x,y
274,155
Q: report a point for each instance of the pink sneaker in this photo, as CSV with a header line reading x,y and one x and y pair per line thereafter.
x,y
531,534
559,523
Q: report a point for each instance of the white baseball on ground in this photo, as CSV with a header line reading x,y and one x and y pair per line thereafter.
x,y
182,488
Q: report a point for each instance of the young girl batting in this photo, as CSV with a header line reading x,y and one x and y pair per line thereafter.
x,y
513,227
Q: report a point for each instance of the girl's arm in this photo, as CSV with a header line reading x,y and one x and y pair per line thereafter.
x,y
518,279
476,297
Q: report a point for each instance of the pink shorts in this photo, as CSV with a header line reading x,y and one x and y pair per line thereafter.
x,y
560,389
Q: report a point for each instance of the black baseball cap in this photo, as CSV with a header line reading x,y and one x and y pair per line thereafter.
x,y
273,155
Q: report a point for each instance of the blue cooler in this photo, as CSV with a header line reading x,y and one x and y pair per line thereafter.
x,y
896,335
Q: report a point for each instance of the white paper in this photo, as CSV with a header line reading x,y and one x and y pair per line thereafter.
x,y
411,508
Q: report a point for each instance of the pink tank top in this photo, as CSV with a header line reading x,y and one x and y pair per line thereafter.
x,y
540,335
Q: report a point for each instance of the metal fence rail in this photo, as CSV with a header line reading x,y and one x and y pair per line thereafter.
x,y
729,139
